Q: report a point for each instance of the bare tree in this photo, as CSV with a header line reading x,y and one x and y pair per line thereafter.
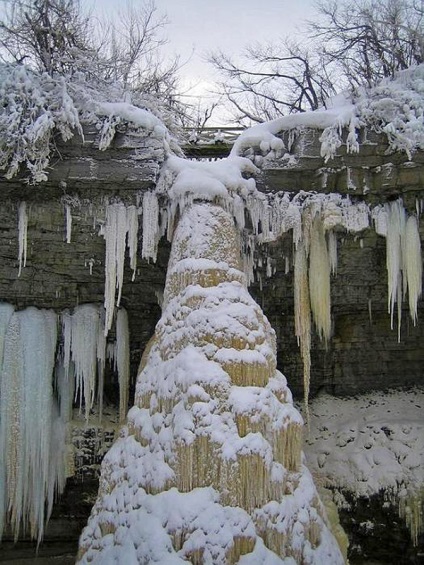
x,y
272,80
350,43
370,39
133,50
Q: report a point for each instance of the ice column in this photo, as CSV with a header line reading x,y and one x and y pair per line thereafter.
x,y
209,468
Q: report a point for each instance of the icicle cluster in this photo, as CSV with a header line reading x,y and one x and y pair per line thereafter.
x,y
84,347
209,468
32,425
85,353
403,258
120,221
34,436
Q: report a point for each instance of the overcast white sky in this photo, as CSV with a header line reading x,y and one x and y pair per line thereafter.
x,y
199,26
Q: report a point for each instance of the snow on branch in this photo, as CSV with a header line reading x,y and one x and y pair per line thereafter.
x,y
394,107
35,108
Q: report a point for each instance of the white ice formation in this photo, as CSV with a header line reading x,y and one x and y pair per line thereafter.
x,y
403,258
232,417
37,387
209,466
68,213
31,426
120,230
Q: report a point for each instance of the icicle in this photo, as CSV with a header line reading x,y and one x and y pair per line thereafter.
x,y
286,265
111,354
319,280
380,217
413,265
121,234
332,251
26,406
85,328
115,232
395,235
302,316
6,311
68,223
11,441
66,333
22,235
150,226
101,360
123,360
65,390
132,229
269,269
238,212
248,249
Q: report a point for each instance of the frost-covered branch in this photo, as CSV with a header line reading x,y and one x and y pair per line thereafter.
x,y
35,108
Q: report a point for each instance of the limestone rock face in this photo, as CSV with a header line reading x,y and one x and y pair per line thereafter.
x,y
209,467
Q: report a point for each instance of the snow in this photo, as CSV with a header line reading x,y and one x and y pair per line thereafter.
x,y
369,444
34,107
394,107
139,117
210,378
